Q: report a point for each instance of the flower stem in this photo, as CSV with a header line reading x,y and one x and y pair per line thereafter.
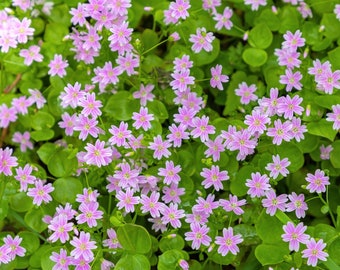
x,y
155,46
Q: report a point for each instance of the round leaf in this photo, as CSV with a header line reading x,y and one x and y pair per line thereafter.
x,y
260,36
335,154
135,262
33,219
66,189
134,238
61,165
271,254
29,241
254,57
166,243
293,153
20,202
269,228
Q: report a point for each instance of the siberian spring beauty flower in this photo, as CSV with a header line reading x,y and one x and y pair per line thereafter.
x,y
170,173
23,139
334,116
182,64
14,246
289,106
228,242
160,147
317,182
337,11
150,204
171,214
202,40
182,80
206,205
126,176
258,185
256,122
292,80
127,200
223,20
272,202
215,147
297,203
198,235
172,193
60,228
279,166
112,242
280,131
233,204
142,119
40,193
7,115
61,259
57,66
31,54
325,152
295,235
202,129
217,78
144,94
120,134
314,252
177,134
246,93
7,161
83,246
179,9
89,214
214,177
293,41
97,154
23,175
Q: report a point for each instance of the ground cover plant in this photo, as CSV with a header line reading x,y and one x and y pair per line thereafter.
x,y
161,134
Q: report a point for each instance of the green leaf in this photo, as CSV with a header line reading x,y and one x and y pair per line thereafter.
x,y
327,101
55,33
222,260
14,64
322,128
46,262
60,14
3,208
121,106
293,153
159,110
324,231
289,18
20,202
30,242
335,154
33,219
204,57
268,17
46,151
254,57
334,250
248,233
42,120
60,164
134,238
169,259
149,39
238,184
332,26
168,243
35,259
260,36
334,58
66,189
271,254
135,261
42,135
269,228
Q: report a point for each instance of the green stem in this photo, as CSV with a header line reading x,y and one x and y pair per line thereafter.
x,y
329,210
239,29
155,46
3,183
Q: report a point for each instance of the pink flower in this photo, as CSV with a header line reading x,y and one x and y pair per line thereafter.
x,y
126,176
337,11
90,105
142,119
170,173
68,123
160,147
278,167
97,154
37,98
86,126
292,80
179,9
328,81
214,177
256,122
60,229
181,80
293,41
325,152
272,202
14,245
22,31
83,246
21,104
182,64
61,259
297,129
258,185
202,40
89,214
112,242
317,182
40,192
255,3
151,204
7,161
217,78
23,140
214,148
288,106
23,175
31,54
205,205
246,93
228,242
294,235
177,134
128,63
172,193
223,20
7,115
120,134
297,204
4,254
202,129
314,252
57,66
280,131
198,236
233,204
171,214
144,94
270,105
127,200
334,116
